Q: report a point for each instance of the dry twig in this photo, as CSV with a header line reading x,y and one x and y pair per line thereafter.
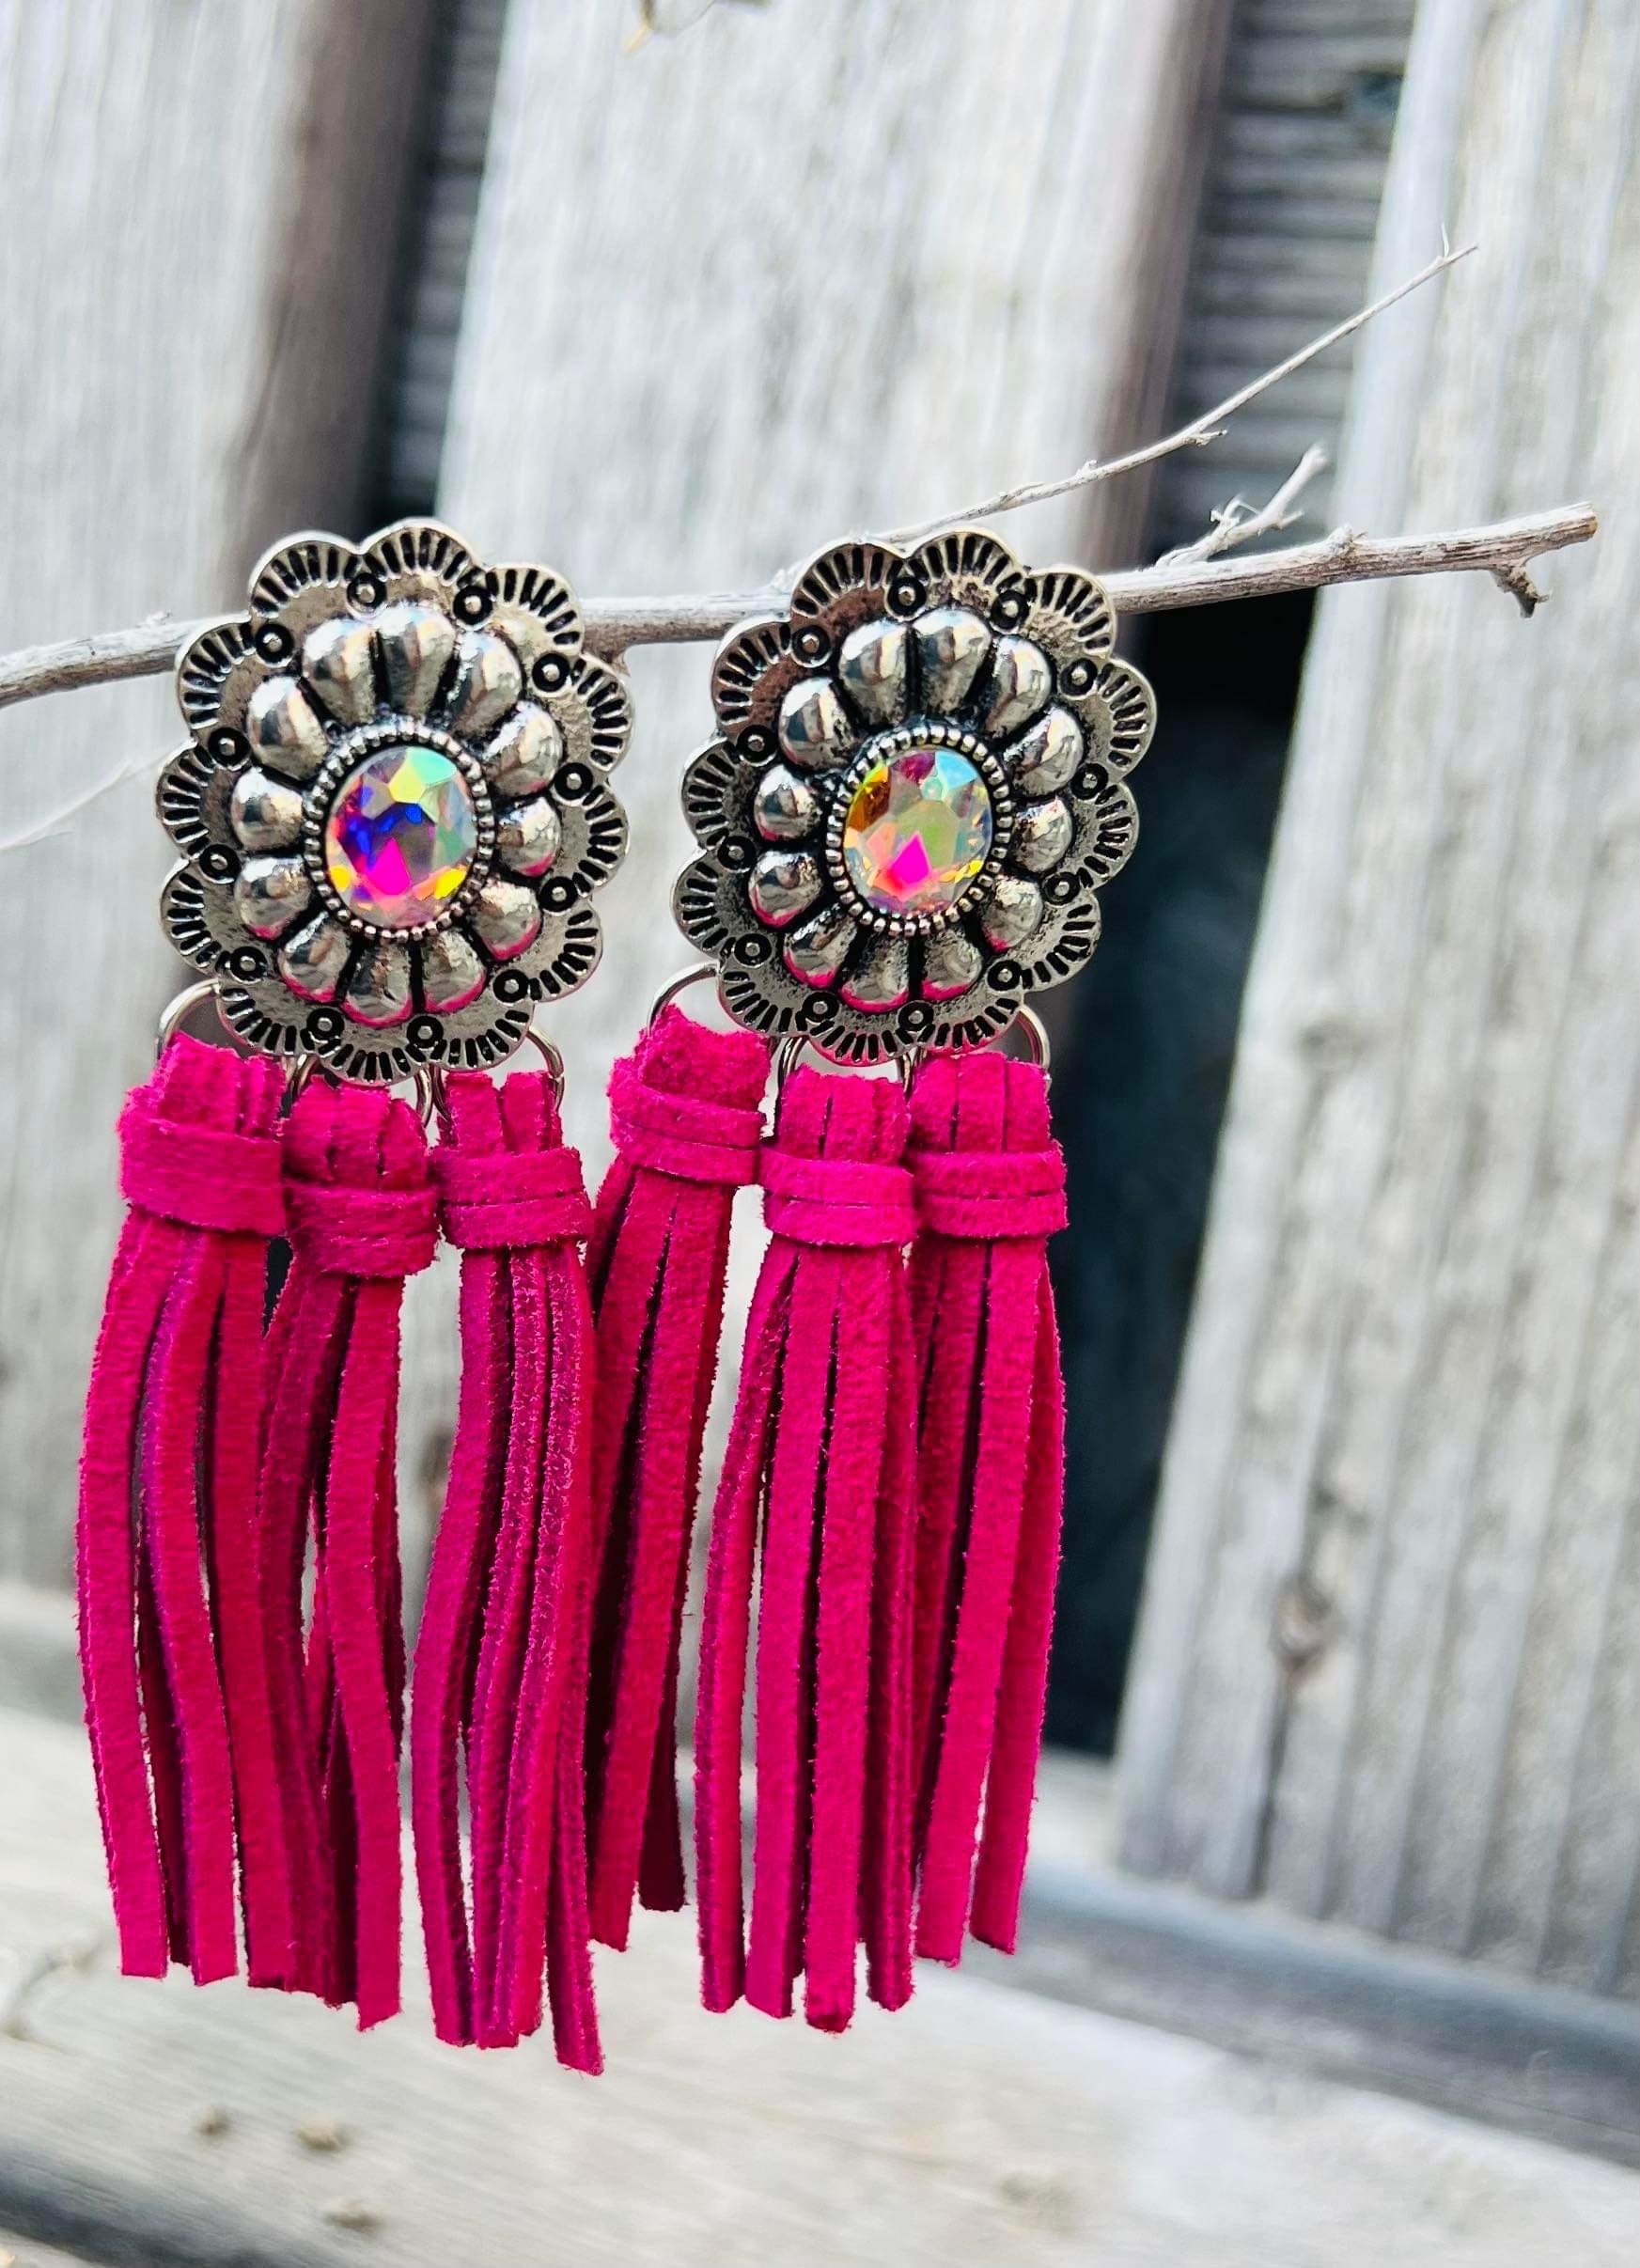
x,y
1196,434
1503,551
1237,524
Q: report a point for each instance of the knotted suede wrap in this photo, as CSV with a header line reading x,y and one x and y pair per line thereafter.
x,y
687,1125
819,1460
362,1217
990,1192
171,1624
501,1661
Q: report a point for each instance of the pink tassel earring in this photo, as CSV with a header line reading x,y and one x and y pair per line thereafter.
x,y
685,1116
991,1191
171,1618
392,810
501,1660
915,793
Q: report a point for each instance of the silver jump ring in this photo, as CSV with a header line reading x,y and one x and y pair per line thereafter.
x,y
548,1053
680,985
176,1012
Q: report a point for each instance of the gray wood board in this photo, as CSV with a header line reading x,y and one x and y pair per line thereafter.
x,y
159,2125
1389,1663
202,207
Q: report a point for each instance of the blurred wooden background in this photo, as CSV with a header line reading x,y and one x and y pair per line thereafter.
x,y
671,319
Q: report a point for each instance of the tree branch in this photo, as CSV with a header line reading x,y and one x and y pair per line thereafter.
x,y
1200,430
1236,524
1504,550
1187,578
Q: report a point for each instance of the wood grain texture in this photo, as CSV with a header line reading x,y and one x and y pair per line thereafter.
x,y
1392,1623
1291,203
801,271
159,2123
201,206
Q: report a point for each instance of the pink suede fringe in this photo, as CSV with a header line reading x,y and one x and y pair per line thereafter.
x,y
820,1454
990,1190
170,1631
685,1118
501,1660
361,1218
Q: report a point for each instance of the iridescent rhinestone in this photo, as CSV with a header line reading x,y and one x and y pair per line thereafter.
x,y
917,831
400,836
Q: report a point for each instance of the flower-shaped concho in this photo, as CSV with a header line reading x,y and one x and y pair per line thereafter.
x,y
917,790
394,804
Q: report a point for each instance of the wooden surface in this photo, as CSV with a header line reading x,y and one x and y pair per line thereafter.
x,y
159,2125
804,269
201,212
1307,1997
1390,1654
1300,147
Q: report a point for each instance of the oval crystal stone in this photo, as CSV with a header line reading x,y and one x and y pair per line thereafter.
x,y
400,836
917,831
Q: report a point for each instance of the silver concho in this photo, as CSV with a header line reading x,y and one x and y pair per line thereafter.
x,y
394,804
918,787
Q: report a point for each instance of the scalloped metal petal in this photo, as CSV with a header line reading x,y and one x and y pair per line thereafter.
x,y
524,754
766,998
506,917
845,585
1107,829
270,893
535,611
873,671
750,673
718,794
1064,940
338,661
379,992
593,713
199,918
1043,833
271,1018
217,672
419,559
709,905
265,813
416,643
287,733
1118,716
815,729
486,685
564,955
1047,755
593,840
303,581
453,972
1071,615
952,645
313,959
527,836
1020,687
192,799
971,567
952,964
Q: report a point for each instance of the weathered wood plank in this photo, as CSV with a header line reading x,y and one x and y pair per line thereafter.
x,y
160,2124
1400,1439
803,271
201,212
1289,206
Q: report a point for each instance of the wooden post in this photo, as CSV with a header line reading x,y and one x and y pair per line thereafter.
x,y
202,215
1391,1642
798,272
